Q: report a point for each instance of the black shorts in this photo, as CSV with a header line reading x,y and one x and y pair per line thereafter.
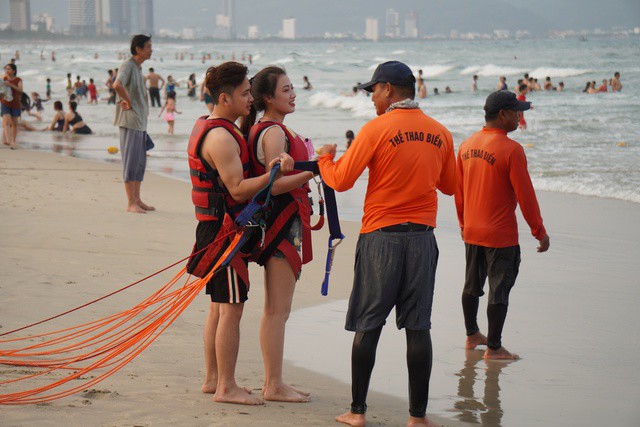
x,y
499,264
393,269
225,286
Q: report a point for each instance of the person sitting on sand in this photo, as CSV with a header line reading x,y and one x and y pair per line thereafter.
x,y
489,187
57,122
73,122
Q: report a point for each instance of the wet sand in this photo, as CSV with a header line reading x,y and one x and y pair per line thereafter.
x,y
572,318
65,239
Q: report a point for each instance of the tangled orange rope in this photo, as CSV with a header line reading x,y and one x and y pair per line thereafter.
x,y
109,343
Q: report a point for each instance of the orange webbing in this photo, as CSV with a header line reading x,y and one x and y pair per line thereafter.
x,y
112,342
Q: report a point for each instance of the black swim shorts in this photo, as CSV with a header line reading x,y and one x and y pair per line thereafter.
x,y
500,265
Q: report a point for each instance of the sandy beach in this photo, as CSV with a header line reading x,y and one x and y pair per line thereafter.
x,y
65,239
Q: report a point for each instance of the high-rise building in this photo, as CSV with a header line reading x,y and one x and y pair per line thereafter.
x,y
392,28
225,27
289,28
253,32
44,22
20,15
145,16
82,17
126,17
103,18
371,29
411,25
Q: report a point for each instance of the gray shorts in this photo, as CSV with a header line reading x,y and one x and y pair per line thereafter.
x,y
393,269
134,154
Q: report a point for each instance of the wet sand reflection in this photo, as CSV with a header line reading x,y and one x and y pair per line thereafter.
x,y
486,409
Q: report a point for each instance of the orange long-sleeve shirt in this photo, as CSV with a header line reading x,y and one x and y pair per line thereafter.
x,y
409,155
492,179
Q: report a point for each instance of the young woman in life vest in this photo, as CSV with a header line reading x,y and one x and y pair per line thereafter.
x,y
287,242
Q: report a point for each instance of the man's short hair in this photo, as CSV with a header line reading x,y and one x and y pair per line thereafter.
x,y
405,91
151,69
225,78
139,40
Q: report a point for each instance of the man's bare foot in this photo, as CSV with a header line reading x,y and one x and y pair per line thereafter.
x,y
145,206
5,142
135,209
209,387
500,354
284,393
237,395
475,340
13,146
420,422
351,419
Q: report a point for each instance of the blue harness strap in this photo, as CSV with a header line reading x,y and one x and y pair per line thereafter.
x,y
332,215
251,217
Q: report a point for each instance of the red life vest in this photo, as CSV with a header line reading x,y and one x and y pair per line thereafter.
x,y
284,208
211,199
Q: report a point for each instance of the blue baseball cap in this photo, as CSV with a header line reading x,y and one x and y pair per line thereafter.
x,y
393,72
504,100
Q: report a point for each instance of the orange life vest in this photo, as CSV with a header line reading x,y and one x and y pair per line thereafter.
x,y
211,199
284,207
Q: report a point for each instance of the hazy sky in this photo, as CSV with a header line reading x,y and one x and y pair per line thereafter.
x,y
314,17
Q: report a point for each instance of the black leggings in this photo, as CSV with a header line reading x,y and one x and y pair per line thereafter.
x,y
419,358
496,314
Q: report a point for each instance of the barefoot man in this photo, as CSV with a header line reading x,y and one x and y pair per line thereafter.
x,y
409,156
219,166
132,110
492,180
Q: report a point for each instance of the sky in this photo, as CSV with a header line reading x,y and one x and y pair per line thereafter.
x,y
315,17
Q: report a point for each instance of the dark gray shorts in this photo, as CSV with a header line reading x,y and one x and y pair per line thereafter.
x,y
393,269
134,154
501,265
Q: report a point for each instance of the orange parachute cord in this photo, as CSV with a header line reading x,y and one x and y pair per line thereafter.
x,y
114,343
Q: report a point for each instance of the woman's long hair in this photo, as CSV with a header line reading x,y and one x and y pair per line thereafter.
x,y
263,85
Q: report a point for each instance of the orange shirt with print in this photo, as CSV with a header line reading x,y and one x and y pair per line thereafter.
x,y
492,179
409,156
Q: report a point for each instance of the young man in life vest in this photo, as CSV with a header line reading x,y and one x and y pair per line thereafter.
x,y
409,156
492,179
287,243
219,165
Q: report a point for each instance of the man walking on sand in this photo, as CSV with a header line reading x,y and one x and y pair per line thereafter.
x,y
409,156
492,180
132,110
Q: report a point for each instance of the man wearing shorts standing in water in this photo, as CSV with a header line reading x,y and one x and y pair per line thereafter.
x,y
492,180
132,110
409,156
154,87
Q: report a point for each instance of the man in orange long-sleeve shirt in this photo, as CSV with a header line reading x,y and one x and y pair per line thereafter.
x,y
409,156
492,180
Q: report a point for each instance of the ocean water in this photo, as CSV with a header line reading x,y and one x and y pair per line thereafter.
x,y
575,143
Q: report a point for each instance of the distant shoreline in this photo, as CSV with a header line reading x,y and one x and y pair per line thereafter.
x,y
32,36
